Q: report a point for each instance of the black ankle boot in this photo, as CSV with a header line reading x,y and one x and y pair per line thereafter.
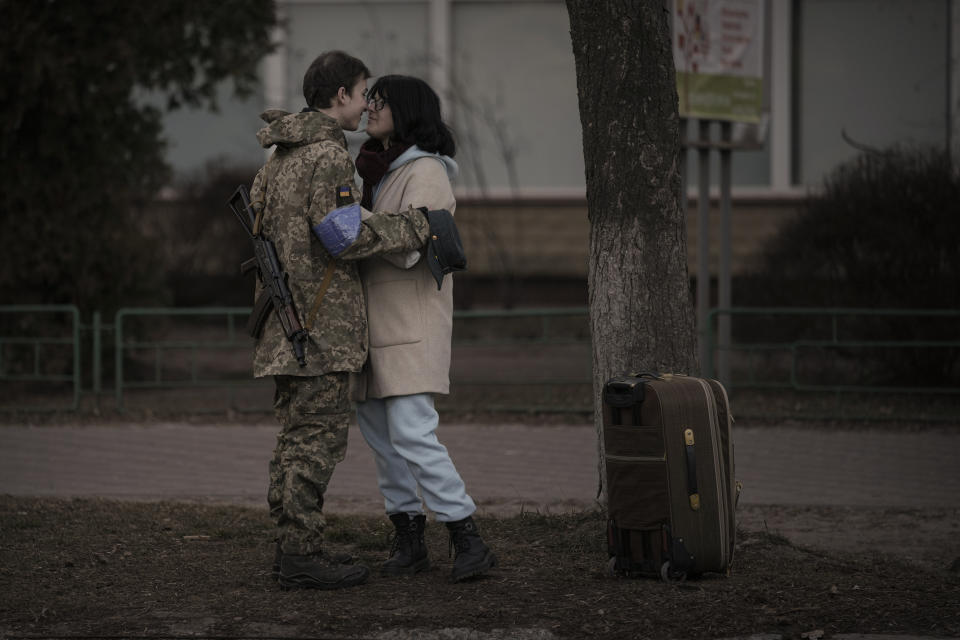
x,y
340,558
408,555
473,556
318,571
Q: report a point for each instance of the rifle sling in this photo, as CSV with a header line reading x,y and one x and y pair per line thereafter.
x,y
327,278
260,205
258,221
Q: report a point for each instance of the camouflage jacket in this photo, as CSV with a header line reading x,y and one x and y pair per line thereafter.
x,y
297,188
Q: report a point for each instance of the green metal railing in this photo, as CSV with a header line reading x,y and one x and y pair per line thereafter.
x,y
124,344
543,328
36,344
833,342
840,341
541,355
547,321
158,349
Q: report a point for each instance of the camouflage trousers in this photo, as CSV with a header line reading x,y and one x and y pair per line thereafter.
x,y
314,415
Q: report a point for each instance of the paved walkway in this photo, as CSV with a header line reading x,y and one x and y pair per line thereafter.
x,y
506,467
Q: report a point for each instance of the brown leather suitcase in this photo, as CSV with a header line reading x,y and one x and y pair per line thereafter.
x,y
671,492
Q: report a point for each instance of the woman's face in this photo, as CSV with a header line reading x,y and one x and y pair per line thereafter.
x,y
379,120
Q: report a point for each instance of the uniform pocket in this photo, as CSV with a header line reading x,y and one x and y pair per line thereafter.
x,y
395,312
298,397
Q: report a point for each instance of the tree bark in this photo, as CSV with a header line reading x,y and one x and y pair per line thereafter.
x,y
641,314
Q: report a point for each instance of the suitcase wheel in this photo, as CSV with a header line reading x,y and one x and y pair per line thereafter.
x,y
669,574
612,567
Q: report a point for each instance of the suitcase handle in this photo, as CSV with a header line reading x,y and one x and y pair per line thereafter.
x,y
621,393
691,455
629,390
652,375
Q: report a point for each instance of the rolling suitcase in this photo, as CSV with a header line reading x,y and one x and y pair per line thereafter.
x,y
670,476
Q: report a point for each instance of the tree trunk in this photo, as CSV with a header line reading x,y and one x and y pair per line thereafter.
x,y
641,315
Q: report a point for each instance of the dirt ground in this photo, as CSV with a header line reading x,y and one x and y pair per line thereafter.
x,y
96,567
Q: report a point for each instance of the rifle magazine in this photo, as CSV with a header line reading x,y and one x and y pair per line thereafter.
x,y
261,311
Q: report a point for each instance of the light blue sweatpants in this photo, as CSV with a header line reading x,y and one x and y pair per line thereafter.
x,y
401,430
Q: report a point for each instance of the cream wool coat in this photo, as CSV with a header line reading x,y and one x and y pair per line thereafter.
x,y
410,321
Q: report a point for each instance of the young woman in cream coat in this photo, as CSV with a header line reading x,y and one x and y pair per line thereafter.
x,y
408,161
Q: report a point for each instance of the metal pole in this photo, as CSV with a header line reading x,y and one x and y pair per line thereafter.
x,y
118,358
703,245
97,362
77,355
953,85
723,276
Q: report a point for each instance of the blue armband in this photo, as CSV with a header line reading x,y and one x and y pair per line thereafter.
x,y
339,228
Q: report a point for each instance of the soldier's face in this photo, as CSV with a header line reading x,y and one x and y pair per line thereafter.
x,y
354,106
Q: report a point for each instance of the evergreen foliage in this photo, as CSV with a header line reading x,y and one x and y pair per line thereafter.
x,y
81,155
884,233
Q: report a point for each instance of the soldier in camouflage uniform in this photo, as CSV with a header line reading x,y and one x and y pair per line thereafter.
x,y
296,188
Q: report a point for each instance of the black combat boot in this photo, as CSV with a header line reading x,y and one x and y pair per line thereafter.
x,y
339,558
473,557
408,555
319,571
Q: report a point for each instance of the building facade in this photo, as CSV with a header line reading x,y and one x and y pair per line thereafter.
x,y
839,73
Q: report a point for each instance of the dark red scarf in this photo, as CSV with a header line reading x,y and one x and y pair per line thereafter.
x,y
373,161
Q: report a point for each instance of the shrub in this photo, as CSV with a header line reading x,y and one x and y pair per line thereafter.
x,y
883,233
83,155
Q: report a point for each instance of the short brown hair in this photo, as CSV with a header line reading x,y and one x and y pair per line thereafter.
x,y
330,71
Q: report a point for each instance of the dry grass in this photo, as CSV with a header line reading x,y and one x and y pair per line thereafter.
x,y
82,567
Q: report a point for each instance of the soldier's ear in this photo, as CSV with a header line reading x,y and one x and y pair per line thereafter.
x,y
342,94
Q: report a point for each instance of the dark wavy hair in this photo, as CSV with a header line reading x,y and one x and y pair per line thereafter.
x,y
416,113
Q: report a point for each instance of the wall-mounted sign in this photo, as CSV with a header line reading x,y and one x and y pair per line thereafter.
x,y
718,50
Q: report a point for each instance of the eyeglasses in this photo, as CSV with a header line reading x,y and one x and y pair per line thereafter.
x,y
375,104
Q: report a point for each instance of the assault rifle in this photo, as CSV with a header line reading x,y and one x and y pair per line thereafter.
x,y
275,295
